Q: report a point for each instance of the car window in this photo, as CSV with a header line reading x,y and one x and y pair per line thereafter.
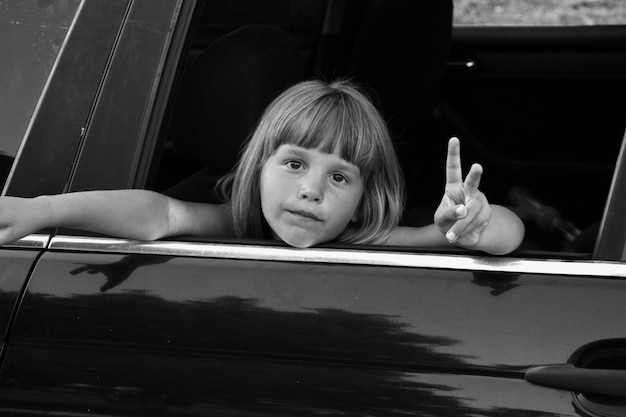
x,y
179,173
32,36
539,13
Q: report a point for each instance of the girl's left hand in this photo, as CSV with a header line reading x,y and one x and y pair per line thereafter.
x,y
464,211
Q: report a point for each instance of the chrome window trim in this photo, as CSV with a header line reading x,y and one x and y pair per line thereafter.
x,y
341,256
34,241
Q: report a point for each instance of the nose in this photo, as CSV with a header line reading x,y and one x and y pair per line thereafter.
x,y
311,188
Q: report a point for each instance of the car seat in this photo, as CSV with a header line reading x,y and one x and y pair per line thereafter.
x,y
223,93
401,54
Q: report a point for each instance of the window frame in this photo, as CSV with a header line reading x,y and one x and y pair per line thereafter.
x,y
55,133
611,240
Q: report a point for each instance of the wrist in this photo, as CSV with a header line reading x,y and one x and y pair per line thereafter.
x,y
44,212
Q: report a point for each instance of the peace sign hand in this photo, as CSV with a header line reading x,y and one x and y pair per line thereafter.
x,y
464,212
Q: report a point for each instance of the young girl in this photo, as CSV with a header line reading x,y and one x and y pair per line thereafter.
x,y
319,167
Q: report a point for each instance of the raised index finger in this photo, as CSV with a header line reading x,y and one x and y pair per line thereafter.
x,y
453,162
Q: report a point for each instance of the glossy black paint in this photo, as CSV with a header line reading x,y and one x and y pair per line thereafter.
x,y
233,335
67,380
15,266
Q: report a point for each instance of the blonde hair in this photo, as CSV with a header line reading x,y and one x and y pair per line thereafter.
x,y
334,117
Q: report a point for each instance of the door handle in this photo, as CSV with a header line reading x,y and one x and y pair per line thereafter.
x,y
611,382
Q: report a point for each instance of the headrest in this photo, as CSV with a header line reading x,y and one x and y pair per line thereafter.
x,y
226,89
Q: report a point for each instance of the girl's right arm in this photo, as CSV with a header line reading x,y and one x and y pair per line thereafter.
x,y
131,214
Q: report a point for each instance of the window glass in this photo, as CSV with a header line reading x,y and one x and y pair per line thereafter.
x,y
32,34
539,12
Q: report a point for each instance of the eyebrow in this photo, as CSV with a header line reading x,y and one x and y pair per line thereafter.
x,y
350,167
341,163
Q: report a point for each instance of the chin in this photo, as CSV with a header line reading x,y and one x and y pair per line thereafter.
x,y
301,241
301,238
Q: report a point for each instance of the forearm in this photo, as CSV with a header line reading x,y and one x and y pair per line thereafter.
x,y
426,236
133,214
503,234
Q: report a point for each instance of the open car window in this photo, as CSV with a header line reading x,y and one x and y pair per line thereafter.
x,y
574,235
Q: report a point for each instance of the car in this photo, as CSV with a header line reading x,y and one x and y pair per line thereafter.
x,y
160,94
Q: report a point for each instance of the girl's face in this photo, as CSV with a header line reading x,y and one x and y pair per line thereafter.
x,y
309,197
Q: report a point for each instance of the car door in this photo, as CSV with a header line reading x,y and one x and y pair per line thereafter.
x,y
57,56
54,56
32,37
233,328
15,266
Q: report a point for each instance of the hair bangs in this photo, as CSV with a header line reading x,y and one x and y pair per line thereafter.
x,y
334,124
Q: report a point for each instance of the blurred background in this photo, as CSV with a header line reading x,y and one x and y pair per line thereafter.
x,y
539,12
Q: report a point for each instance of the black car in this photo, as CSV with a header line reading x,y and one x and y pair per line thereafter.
x,y
160,94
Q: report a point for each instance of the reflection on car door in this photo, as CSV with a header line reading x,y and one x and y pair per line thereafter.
x,y
16,264
229,328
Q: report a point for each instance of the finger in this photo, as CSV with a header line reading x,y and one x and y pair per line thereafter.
x,y
451,214
465,230
476,220
470,239
452,219
453,162
472,181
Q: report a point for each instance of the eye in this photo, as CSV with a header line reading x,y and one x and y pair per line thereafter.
x,y
295,165
340,178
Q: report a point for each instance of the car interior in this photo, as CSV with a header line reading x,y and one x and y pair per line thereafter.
x,y
403,53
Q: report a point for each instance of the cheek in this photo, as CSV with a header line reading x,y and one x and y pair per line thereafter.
x,y
349,209
264,192
270,193
265,184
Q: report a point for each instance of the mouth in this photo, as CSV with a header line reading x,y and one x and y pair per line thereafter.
x,y
306,215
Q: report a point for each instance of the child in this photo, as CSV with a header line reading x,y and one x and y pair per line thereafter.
x,y
319,167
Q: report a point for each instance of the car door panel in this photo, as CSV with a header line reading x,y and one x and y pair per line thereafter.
x,y
15,265
130,382
332,322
